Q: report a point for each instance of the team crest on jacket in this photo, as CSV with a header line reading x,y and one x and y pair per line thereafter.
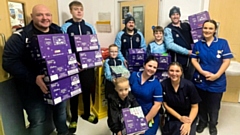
x,y
88,32
72,34
124,40
137,39
177,35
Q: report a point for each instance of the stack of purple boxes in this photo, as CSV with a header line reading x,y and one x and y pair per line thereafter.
x,y
136,58
163,62
88,51
134,121
196,21
54,56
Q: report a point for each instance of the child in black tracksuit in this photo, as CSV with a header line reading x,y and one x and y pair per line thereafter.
x,y
113,60
122,98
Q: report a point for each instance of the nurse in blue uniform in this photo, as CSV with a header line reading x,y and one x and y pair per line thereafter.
x,y
211,57
148,92
181,103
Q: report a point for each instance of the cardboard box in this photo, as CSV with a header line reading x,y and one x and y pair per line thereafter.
x,y
90,59
63,89
135,68
196,20
161,75
163,60
136,57
50,45
134,121
119,71
85,43
196,35
59,67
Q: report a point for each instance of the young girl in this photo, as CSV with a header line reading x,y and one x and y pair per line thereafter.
x,y
117,101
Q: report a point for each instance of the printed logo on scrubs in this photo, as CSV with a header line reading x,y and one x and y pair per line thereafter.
x,y
137,39
197,52
219,52
124,40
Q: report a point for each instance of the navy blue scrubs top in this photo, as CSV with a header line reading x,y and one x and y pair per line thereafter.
x,y
211,58
181,100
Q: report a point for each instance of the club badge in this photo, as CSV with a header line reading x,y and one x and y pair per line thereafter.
x,y
137,39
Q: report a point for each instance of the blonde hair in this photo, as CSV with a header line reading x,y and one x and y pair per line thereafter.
x,y
112,45
119,80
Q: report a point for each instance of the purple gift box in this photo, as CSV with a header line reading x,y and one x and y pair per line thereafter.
x,y
163,60
86,42
196,35
62,89
196,21
50,45
135,68
134,121
90,59
59,67
161,75
136,57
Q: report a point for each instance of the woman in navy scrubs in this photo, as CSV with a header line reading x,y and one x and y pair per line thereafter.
x,y
211,57
148,92
181,103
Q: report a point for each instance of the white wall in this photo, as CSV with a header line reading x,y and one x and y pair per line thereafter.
x,y
93,7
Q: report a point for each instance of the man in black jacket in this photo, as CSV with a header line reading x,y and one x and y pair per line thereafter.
x,y
178,40
18,62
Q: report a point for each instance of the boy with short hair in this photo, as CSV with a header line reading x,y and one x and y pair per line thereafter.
x,y
117,101
77,26
113,60
157,46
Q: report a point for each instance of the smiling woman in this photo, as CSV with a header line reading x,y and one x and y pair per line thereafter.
x,y
148,92
181,103
211,57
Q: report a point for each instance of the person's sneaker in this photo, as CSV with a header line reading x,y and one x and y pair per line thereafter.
x,y
93,119
213,130
200,127
72,127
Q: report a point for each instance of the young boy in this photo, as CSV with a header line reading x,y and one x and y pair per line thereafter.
x,y
117,101
157,46
77,26
113,60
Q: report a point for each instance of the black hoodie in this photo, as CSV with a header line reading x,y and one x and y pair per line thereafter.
x,y
115,106
17,60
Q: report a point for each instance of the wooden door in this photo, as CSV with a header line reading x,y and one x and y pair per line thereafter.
x,y
226,13
150,11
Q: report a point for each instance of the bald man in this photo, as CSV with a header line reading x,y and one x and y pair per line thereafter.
x,y
18,62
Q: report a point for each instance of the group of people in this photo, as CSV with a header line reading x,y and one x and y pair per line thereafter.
x,y
191,96
185,94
